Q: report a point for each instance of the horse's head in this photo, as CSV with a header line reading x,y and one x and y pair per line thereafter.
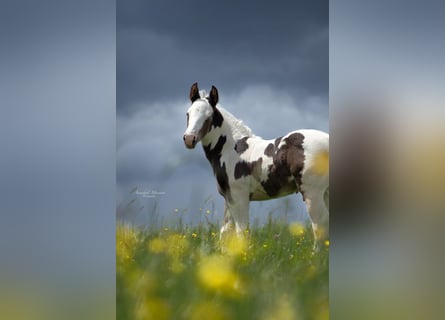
x,y
199,115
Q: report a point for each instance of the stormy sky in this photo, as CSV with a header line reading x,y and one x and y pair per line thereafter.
x,y
269,62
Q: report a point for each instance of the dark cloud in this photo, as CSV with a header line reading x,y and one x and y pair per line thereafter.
x,y
164,46
269,62
244,25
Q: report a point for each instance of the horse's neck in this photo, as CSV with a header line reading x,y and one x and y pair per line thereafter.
x,y
237,127
214,136
224,136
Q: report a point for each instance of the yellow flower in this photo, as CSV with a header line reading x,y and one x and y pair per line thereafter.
x,y
194,235
327,243
177,245
265,245
126,243
296,229
216,273
323,310
157,245
174,246
235,245
153,308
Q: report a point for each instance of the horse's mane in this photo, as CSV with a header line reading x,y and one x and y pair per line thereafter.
x,y
239,129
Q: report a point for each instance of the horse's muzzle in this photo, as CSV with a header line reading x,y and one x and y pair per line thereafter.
x,y
190,140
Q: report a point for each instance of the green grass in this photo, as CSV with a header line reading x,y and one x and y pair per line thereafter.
x,y
187,274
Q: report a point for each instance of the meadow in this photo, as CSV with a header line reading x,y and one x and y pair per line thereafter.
x,y
187,273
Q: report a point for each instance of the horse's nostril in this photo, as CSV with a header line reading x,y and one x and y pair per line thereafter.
x,y
183,137
190,140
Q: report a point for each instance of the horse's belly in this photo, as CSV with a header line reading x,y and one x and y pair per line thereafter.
x,y
259,194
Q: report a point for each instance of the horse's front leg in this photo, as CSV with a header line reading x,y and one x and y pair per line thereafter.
x,y
228,221
236,214
239,210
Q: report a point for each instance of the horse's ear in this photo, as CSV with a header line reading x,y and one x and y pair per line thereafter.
x,y
194,92
213,97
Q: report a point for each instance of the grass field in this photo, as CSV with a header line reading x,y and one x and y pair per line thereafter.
x,y
188,274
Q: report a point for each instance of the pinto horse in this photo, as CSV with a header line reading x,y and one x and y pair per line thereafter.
x,y
249,168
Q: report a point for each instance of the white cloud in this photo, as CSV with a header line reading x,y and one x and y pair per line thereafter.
x,y
271,113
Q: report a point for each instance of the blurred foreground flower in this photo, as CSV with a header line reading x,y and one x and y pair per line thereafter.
x,y
126,240
157,245
235,245
207,310
174,246
216,273
177,245
153,308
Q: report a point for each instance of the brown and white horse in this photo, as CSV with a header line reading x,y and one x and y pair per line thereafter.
x,y
249,168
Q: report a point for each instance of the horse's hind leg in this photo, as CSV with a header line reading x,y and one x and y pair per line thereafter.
x,y
316,207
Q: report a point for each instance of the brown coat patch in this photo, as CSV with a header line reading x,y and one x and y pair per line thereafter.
x,y
288,161
243,168
217,118
205,128
270,150
241,145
